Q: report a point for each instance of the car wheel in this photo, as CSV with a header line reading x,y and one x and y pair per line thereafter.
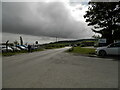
x,y
102,53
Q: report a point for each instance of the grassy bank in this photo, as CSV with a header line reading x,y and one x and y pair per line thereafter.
x,y
82,50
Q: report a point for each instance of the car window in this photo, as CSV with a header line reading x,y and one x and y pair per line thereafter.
x,y
112,45
115,45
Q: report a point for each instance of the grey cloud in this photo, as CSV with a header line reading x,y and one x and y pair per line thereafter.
x,y
46,19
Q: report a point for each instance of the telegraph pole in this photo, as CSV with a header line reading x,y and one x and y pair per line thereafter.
x,y
56,39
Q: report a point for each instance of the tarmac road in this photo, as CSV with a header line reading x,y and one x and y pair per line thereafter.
x,y
57,69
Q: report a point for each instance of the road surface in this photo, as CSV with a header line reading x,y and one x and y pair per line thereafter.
x,y
57,69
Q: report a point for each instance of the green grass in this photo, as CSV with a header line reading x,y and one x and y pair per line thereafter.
x,y
88,41
11,53
18,52
81,50
54,46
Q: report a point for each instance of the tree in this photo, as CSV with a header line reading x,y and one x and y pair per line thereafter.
x,y
96,36
16,42
104,17
36,42
21,40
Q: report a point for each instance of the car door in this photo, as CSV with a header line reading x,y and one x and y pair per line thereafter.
x,y
119,51
112,49
118,46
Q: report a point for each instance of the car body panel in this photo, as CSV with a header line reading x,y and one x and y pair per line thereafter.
x,y
112,49
4,49
21,47
15,48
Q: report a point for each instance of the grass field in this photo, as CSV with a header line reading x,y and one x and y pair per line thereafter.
x,y
82,50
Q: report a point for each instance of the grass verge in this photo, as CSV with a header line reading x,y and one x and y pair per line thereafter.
x,y
81,50
18,52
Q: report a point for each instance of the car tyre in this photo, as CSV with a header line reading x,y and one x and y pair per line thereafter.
x,y
102,53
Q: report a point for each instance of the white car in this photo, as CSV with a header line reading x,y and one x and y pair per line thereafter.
x,y
21,47
4,49
15,48
112,49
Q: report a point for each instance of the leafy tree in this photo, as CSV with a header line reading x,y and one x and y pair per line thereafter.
x,y
104,17
26,43
96,36
36,42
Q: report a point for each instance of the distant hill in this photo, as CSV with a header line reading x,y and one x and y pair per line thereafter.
x,y
79,42
75,41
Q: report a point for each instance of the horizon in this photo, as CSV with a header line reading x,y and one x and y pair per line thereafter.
x,y
31,39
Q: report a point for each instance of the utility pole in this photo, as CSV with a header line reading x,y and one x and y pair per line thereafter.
x,y
56,39
21,40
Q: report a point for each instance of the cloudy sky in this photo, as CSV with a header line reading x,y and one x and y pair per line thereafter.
x,y
63,19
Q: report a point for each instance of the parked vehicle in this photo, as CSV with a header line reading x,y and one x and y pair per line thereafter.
x,y
15,48
21,47
34,47
112,49
25,46
4,49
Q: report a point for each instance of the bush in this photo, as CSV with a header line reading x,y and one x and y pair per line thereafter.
x,y
82,45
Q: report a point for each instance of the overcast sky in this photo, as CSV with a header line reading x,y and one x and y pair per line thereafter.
x,y
63,18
